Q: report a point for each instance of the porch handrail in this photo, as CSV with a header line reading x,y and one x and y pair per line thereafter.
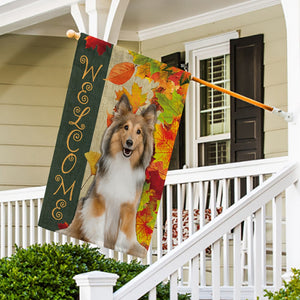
x,y
234,215
22,194
240,169
230,170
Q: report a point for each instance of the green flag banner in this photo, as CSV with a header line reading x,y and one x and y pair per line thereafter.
x,y
115,141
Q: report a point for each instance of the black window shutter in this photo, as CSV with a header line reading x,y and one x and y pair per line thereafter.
x,y
246,78
178,156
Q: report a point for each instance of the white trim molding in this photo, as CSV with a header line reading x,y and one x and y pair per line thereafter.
x,y
206,18
196,50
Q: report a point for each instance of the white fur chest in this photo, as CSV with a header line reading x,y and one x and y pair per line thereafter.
x,y
120,182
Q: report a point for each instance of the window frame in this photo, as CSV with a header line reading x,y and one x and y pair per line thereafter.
x,y
196,51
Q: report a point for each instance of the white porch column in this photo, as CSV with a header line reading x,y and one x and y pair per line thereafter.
x,y
96,285
292,18
105,18
98,11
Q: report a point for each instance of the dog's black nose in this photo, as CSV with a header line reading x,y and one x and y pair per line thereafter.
x,y
129,142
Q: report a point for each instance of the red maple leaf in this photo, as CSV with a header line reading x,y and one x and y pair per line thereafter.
x,y
176,77
63,225
94,43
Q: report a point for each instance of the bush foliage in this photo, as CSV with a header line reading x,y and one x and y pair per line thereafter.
x,y
47,271
290,291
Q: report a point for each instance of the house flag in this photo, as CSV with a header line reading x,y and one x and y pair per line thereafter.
x,y
119,123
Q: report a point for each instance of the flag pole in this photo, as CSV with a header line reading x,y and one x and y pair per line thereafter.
x,y
286,115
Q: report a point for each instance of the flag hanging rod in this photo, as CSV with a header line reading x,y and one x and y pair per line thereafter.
x,y
285,115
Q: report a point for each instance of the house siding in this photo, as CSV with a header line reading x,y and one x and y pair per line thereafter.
x,y
271,23
34,76
35,72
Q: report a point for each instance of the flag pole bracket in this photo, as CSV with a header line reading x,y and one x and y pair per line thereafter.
x,y
285,115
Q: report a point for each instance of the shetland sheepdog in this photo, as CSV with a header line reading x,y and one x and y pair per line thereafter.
x,y
107,215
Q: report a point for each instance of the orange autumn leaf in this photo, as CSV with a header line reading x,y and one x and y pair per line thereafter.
x,y
136,98
109,119
164,141
92,158
143,71
121,73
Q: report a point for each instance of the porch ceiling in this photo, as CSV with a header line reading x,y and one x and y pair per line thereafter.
x,y
143,19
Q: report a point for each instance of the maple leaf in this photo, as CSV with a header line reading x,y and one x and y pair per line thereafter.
x,y
185,78
139,59
92,158
143,230
176,76
63,225
143,71
145,198
164,141
136,98
109,119
92,42
171,108
121,73
155,166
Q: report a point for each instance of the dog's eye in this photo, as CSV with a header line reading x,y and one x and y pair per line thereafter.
x,y
138,131
126,127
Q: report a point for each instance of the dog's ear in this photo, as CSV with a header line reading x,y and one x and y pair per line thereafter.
x,y
149,115
123,106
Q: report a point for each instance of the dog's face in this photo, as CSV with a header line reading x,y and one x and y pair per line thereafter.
x,y
131,134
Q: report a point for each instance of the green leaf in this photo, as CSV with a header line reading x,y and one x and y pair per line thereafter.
x,y
171,108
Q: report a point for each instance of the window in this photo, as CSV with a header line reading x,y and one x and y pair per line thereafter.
x,y
208,110
214,112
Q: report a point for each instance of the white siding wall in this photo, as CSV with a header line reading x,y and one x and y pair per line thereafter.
x,y
33,79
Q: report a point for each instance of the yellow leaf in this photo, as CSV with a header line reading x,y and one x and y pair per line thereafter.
x,y
92,158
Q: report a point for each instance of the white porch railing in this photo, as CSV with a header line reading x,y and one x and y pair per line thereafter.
x,y
187,191
251,206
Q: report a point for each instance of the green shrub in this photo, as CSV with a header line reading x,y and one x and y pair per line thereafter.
x,y
46,272
290,291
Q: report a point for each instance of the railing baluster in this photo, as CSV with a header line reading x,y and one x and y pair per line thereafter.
x,y
194,282
159,231
17,223
258,288
169,217
173,286
212,200
152,294
190,208
202,219
39,229
237,189
48,240
179,228
149,254
2,229
277,240
215,261
32,222
237,267
121,257
9,229
263,240
225,237
24,224
249,183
